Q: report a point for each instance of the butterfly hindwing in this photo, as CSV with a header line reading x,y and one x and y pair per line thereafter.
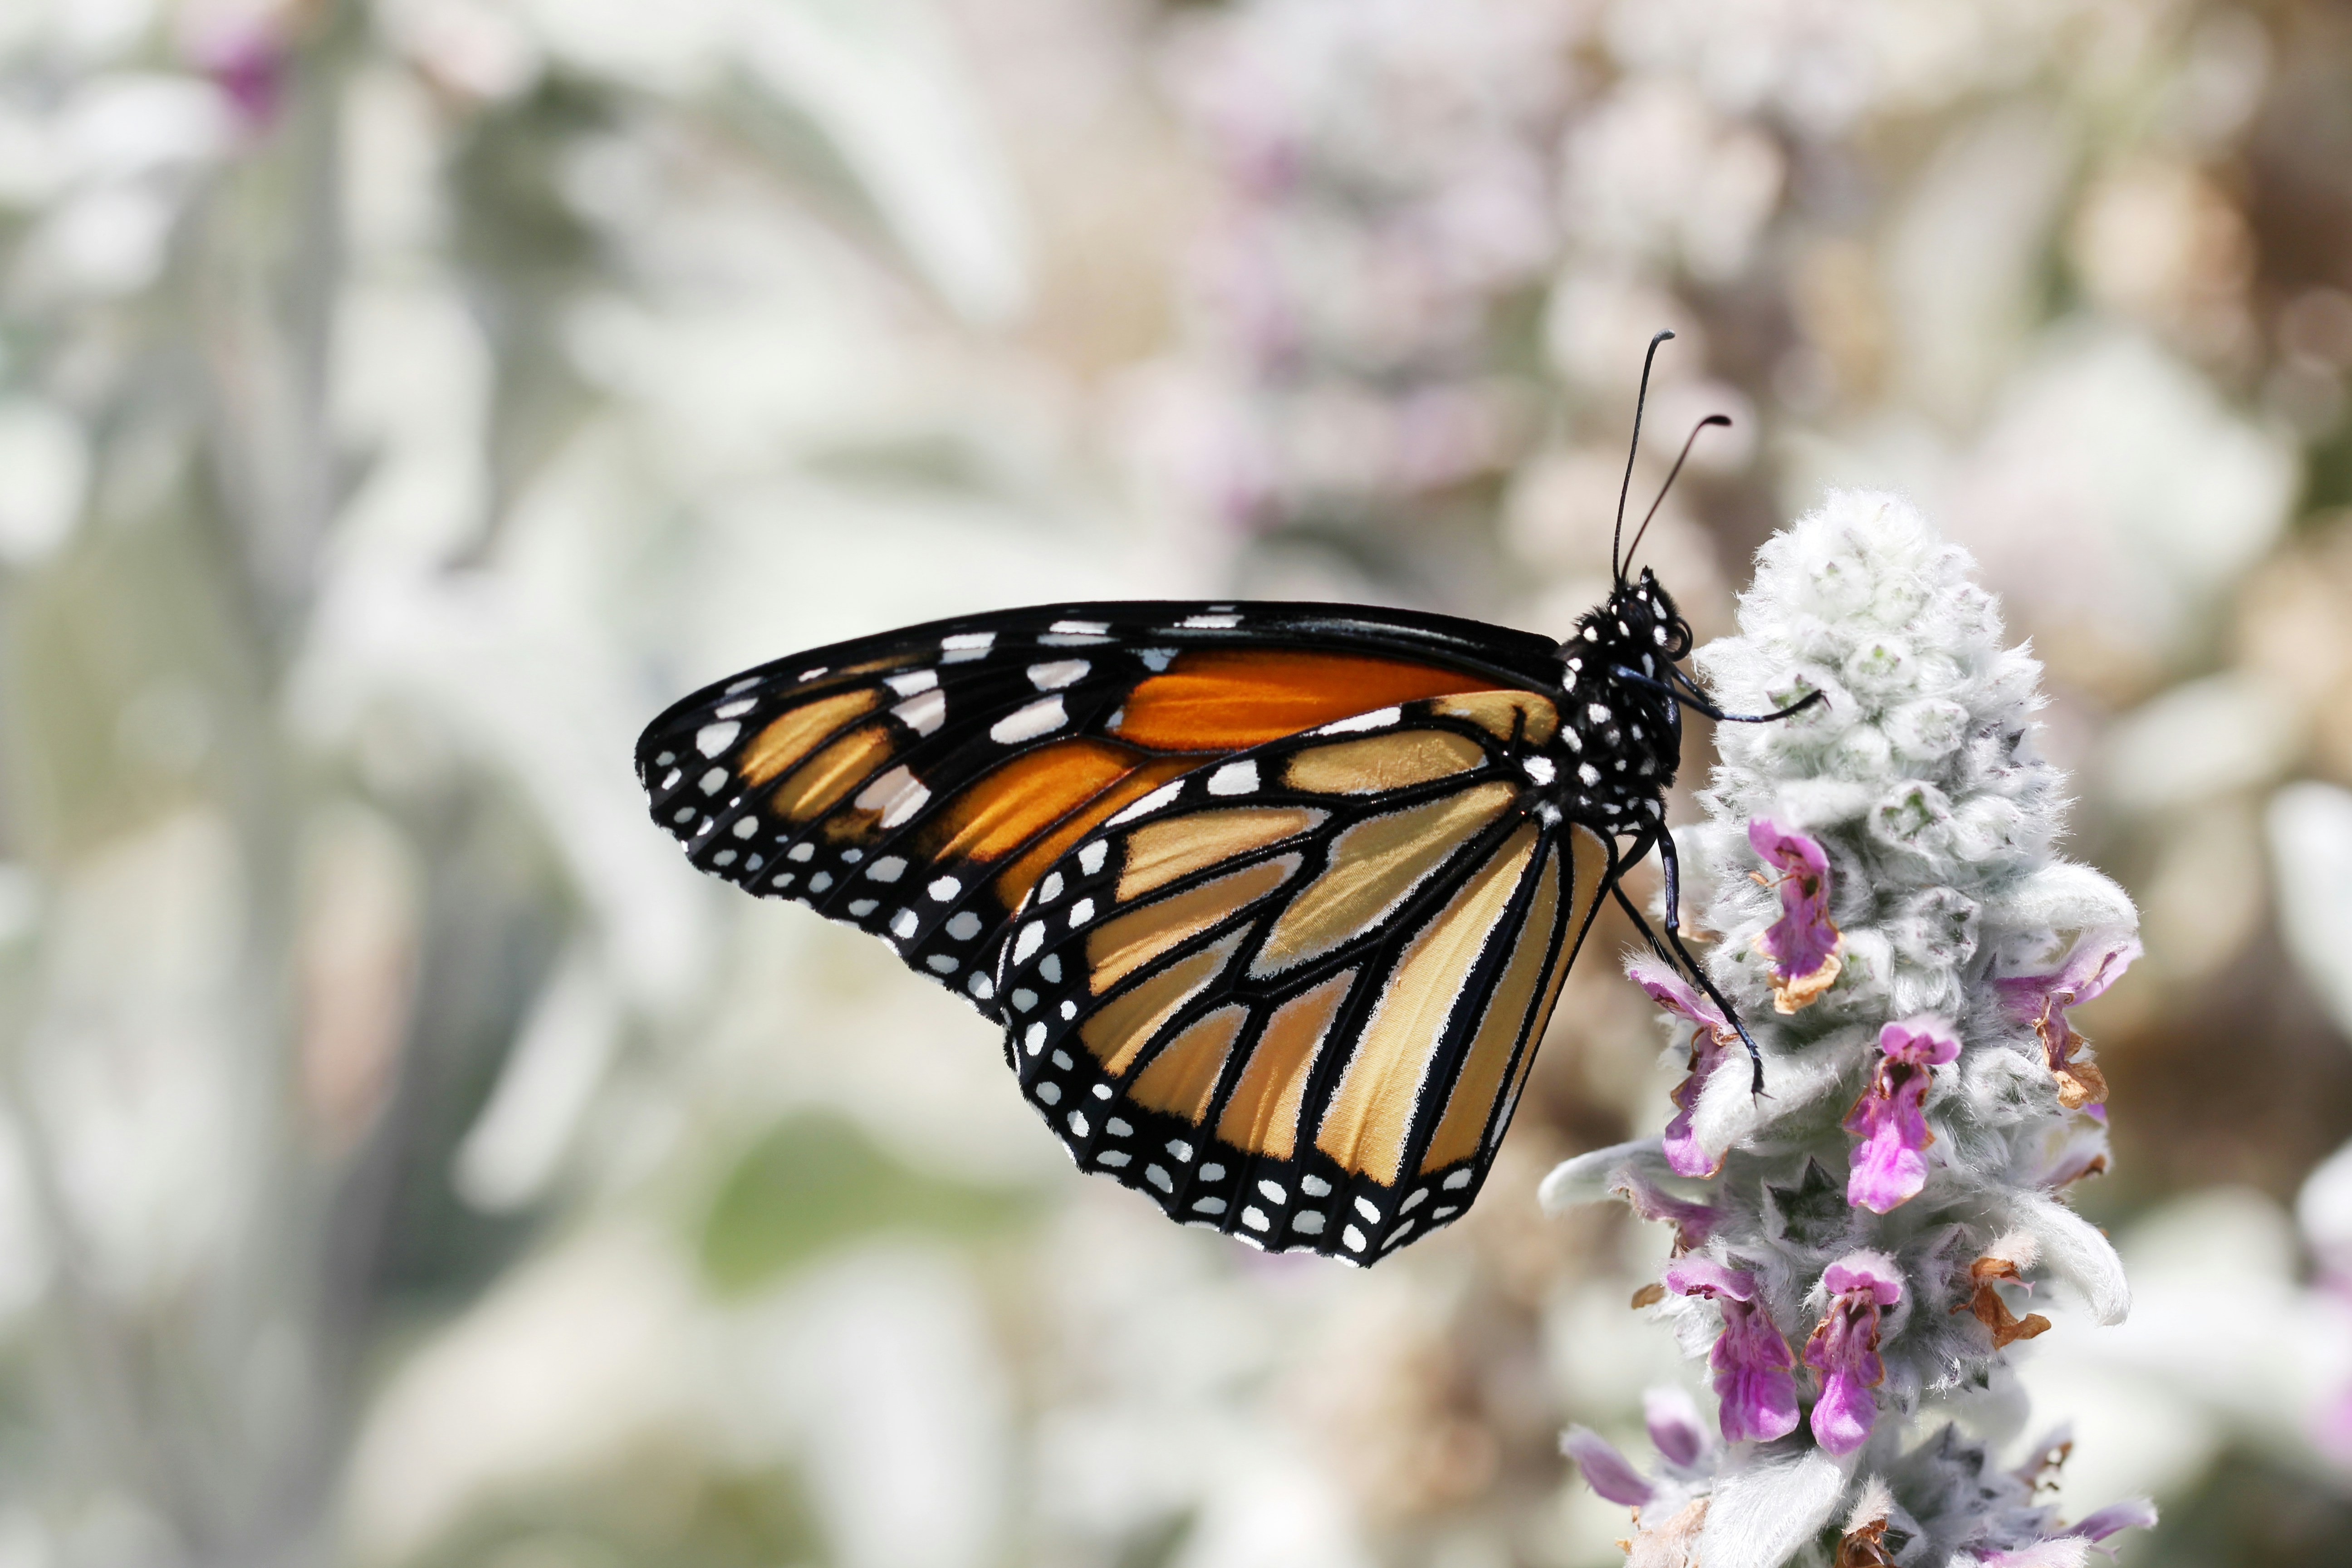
x,y
1293,995
918,785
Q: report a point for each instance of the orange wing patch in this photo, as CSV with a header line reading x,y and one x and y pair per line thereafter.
x,y
1217,699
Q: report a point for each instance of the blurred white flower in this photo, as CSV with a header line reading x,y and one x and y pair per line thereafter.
x,y
2311,863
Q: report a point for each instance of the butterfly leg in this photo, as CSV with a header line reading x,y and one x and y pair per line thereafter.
x,y
1672,865
1680,956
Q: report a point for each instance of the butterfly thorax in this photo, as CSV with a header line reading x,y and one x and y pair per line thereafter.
x,y
1620,737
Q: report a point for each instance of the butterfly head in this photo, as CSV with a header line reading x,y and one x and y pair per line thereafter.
x,y
1637,626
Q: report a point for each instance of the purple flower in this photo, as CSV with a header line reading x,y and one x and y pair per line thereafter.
x,y
1753,1378
248,61
2133,1513
1713,1036
1606,1470
1693,1222
2055,1551
1890,1165
1802,943
1843,1348
1674,1431
2098,959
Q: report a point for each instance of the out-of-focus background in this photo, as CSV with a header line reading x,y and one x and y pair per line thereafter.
x,y
407,1162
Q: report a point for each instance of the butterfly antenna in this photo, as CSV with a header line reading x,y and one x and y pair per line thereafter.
x,y
1616,569
1634,549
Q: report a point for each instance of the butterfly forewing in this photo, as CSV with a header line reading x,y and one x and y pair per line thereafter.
x,y
1293,995
919,784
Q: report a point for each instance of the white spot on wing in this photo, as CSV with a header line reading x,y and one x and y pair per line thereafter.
x,y
1150,802
912,682
923,713
1040,718
1050,1092
1032,937
1211,623
904,924
965,647
1210,1206
1090,858
1539,769
942,889
1315,1186
734,710
1457,1181
712,779
1353,1238
1081,913
803,851
1234,778
895,795
745,684
745,826
1080,628
888,868
713,738
1253,1217
1158,1178
1308,1224
1377,719
1054,676
964,927
1155,659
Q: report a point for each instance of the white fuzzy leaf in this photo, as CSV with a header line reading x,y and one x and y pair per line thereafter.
x,y
1585,1179
2076,1250
1763,1513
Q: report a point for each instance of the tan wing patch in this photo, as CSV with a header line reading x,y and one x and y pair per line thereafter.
x,y
1502,713
1181,1079
1119,947
1370,1117
1118,1031
1382,762
1263,1114
1371,868
1588,866
1480,1078
1164,851
788,735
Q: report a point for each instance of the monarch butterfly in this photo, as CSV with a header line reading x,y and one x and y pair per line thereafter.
x,y
1273,901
